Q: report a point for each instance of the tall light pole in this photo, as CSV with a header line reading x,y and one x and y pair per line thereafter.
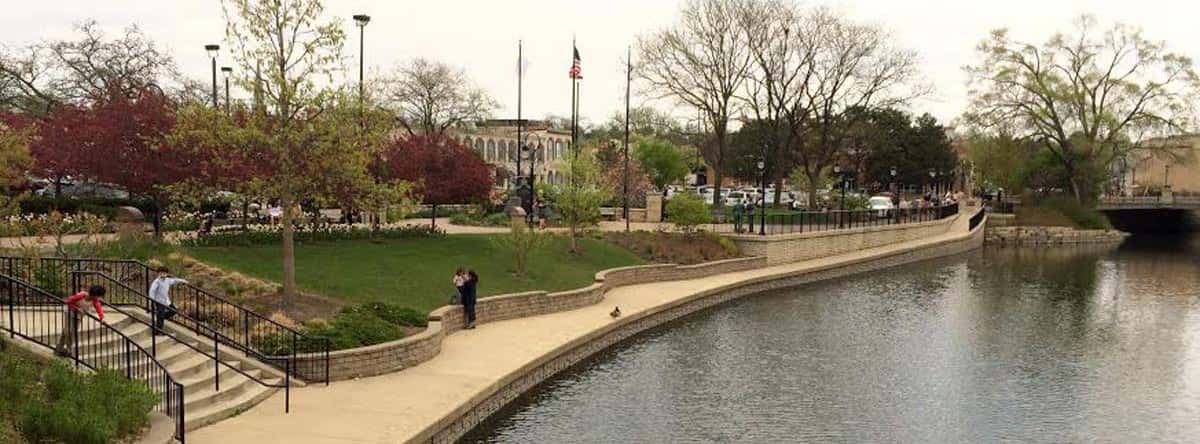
x,y
361,20
933,180
895,188
226,72
625,174
212,54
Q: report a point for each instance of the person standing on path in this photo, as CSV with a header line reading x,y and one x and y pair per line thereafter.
x,y
469,288
160,294
89,300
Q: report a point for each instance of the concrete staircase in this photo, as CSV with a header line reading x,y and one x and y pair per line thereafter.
x,y
196,371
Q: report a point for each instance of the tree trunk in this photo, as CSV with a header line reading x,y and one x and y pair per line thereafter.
x,y
778,191
433,216
158,216
813,177
289,248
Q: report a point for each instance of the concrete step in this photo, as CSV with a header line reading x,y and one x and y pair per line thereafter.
x,y
200,414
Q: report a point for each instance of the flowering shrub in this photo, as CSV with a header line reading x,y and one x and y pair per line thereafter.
x,y
269,234
36,224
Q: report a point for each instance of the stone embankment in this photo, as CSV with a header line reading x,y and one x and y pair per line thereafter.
x,y
1019,235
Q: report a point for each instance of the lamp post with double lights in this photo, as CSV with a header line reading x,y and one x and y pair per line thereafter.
x,y
212,55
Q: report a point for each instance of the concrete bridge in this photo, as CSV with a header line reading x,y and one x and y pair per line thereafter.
x,y
1164,213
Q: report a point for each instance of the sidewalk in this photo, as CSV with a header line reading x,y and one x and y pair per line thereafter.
x,y
394,408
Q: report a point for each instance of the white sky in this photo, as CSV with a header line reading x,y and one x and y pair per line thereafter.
x,y
481,36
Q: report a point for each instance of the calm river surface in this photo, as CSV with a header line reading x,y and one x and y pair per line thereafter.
x,y
1018,345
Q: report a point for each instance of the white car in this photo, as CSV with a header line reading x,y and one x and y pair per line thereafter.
x,y
882,205
737,197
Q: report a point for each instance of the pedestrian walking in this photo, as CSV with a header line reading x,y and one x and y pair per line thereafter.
x,y
84,301
469,289
160,296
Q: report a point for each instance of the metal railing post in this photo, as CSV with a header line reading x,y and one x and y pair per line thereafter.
x,y
128,362
216,362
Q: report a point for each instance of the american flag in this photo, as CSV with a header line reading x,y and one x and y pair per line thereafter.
x,y
576,71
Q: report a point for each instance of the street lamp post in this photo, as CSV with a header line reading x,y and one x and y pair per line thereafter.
x,y
533,197
762,182
226,72
212,54
361,20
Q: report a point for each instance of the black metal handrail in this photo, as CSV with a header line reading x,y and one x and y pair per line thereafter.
x,y
816,221
977,219
240,327
120,291
44,315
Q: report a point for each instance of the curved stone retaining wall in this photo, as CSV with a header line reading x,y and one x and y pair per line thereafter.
x,y
458,424
407,352
782,249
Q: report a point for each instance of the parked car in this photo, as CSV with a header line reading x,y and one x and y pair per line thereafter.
x,y
881,205
737,197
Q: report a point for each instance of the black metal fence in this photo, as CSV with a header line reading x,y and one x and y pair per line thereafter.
x,y
42,318
202,312
815,221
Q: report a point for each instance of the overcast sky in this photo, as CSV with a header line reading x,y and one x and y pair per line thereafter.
x,y
481,36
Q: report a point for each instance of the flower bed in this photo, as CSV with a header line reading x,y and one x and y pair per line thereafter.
x,y
269,234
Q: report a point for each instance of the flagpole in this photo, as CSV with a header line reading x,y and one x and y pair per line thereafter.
x,y
625,179
520,144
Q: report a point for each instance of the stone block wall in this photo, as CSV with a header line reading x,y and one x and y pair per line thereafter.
x,y
407,352
782,249
1049,236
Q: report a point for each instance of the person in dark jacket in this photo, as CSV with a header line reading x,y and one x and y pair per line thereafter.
x,y
469,289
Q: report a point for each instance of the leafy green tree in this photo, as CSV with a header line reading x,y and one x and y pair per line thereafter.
x,y
662,160
688,212
577,201
1002,161
522,241
1091,96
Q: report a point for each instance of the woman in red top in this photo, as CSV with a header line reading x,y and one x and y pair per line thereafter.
x,y
79,302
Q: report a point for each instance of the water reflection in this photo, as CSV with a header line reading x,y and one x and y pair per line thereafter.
x,y
1029,345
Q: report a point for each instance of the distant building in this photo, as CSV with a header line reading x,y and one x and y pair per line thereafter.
x,y
1146,173
496,142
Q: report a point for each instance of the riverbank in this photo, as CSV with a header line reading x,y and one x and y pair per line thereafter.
x,y
478,371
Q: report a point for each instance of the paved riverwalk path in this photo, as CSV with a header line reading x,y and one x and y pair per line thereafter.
x,y
396,407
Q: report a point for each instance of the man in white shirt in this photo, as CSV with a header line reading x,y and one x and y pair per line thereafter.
x,y
160,293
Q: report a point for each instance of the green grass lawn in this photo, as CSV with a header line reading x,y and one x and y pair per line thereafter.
x,y
417,272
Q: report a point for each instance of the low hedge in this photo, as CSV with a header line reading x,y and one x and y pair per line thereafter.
x,y
355,326
50,402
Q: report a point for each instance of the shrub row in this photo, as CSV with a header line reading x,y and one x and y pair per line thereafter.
x,y
266,235
355,326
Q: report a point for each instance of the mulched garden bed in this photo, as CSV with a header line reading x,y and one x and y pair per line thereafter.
x,y
675,248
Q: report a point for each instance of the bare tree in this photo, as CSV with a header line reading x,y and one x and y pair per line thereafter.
x,y
1090,97
854,67
431,97
702,61
81,69
783,46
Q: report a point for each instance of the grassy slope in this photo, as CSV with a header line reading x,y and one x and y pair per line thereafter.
x,y
416,272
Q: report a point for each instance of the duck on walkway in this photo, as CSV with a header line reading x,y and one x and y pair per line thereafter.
x,y
616,312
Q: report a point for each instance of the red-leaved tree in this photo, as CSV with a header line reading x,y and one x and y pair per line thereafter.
x,y
444,171
120,139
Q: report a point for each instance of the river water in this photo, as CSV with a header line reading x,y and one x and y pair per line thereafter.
x,y
1092,344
